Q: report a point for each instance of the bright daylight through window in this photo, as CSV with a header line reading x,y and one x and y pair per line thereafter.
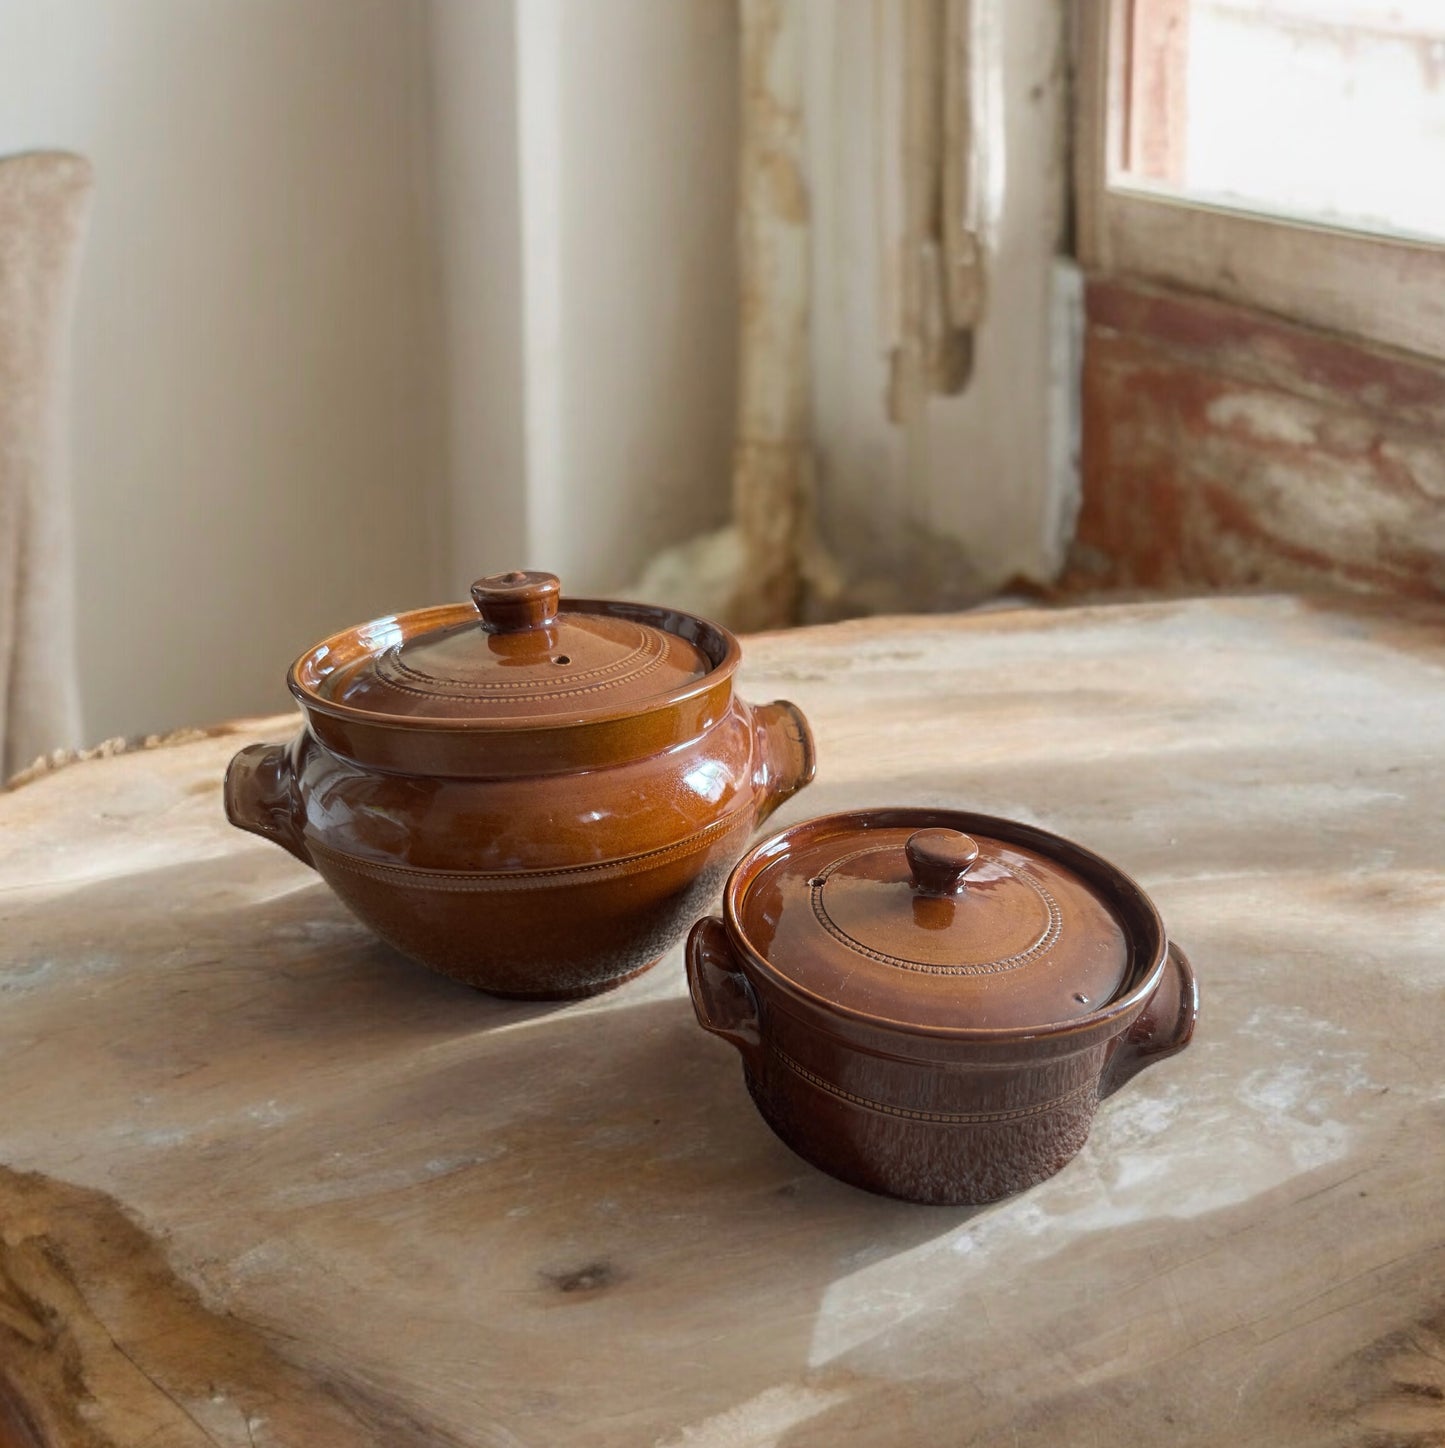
x,y
1323,111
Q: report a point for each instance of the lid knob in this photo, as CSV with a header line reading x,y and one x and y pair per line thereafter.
x,y
939,859
512,602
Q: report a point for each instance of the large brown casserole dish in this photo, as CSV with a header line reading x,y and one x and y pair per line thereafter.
x,y
529,793
930,1003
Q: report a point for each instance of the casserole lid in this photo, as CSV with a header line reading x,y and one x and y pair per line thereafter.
x,y
518,653
903,917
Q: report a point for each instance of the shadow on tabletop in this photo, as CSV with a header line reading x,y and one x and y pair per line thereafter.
x,y
604,1173
570,1176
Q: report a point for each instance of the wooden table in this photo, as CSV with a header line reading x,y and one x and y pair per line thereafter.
x,y
265,1183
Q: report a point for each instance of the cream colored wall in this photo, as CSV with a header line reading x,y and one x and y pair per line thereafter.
x,y
478,196
313,380
649,161
587,179
255,415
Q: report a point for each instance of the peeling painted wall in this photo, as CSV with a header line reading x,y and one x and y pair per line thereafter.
x,y
1224,448
973,490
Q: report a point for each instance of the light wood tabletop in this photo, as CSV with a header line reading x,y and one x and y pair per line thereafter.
x,y
265,1183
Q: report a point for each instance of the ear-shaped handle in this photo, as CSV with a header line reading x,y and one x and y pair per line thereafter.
x,y
261,797
721,995
1164,1026
787,758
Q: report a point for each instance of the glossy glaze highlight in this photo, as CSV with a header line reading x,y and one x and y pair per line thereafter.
x,y
529,839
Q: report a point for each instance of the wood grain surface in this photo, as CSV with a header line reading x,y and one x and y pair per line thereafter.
x,y
265,1183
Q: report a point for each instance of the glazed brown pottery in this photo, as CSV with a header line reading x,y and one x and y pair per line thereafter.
x,y
528,793
930,1003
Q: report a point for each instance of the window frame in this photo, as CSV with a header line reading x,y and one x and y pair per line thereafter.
x,y
1383,289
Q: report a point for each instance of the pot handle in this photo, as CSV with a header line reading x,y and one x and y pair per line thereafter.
x,y
261,797
1163,1027
721,994
787,757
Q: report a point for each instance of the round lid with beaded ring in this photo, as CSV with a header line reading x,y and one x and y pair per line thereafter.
x,y
940,920
519,653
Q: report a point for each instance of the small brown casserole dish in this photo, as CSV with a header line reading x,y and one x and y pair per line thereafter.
x,y
530,793
931,1003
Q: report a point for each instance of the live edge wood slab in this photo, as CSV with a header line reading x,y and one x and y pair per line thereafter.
x,y
265,1183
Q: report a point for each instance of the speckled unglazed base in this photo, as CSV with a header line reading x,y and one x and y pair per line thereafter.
x,y
979,1135
937,1159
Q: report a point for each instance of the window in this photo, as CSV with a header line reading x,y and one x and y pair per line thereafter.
x,y
1289,154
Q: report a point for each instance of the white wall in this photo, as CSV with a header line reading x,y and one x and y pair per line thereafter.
x,y
477,131
314,380
255,423
587,183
